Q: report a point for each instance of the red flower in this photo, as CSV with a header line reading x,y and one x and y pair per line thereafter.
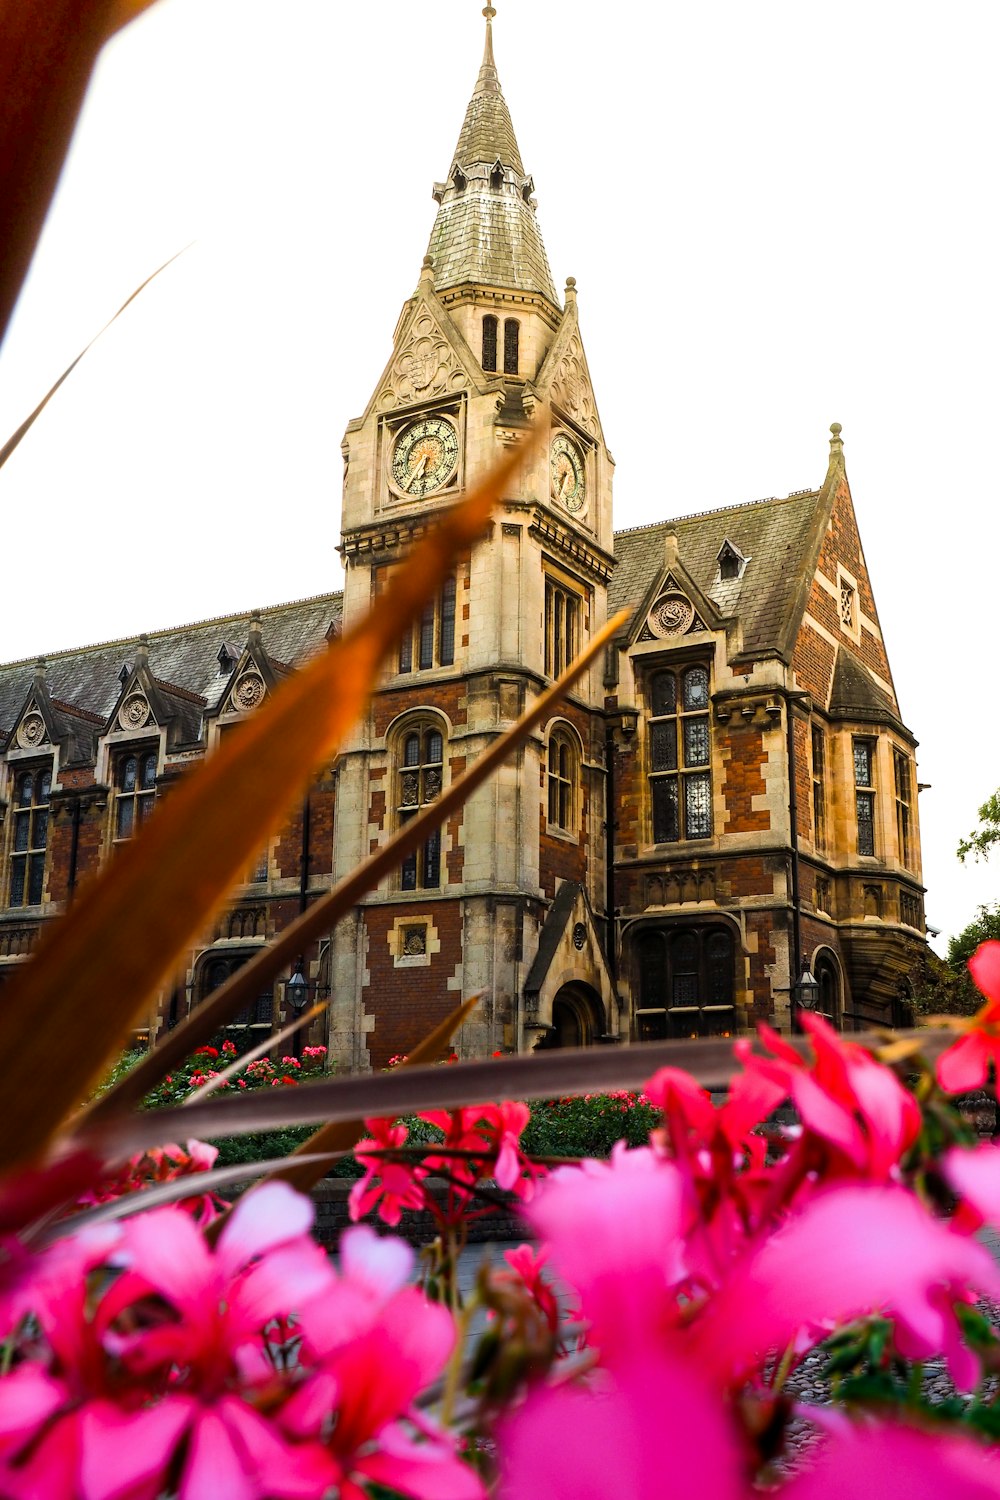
x,y
966,1063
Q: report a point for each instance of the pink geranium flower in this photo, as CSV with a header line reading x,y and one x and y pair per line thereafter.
x,y
966,1063
910,1463
649,1431
846,1099
852,1250
387,1185
263,1267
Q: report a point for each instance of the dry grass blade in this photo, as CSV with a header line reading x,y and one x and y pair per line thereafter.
x,y
407,1091
344,1135
322,916
95,971
29,421
46,59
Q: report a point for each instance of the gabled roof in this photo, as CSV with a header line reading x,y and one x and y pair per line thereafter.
x,y
485,230
183,662
778,537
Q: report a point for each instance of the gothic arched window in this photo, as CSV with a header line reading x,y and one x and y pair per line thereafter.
x,y
489,343
511,337
135,791
31,830
419,777
561,777
680,781
686,978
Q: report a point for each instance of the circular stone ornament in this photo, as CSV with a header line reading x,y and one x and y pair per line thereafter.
x,y
249,691
672,614
134,713
31,731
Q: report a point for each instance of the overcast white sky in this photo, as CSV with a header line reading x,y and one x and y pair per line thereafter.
x,y
779,215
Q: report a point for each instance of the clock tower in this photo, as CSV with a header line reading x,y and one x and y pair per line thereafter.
x,y
483,351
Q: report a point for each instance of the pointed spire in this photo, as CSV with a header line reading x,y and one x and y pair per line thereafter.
x,y
489,78
486,230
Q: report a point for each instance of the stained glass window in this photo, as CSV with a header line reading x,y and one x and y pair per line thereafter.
x,y
680,792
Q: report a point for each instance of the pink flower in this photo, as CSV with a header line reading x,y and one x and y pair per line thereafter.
x,y
389,1186
965,1065
263,1267
846,1099
649,1431
616,1231
919,1465
378,1343
852,1250
525,1270
974,1173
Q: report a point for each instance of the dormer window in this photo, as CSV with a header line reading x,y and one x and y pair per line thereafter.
x,y
227,660
731,561
527,188
496,175
458,178
124,674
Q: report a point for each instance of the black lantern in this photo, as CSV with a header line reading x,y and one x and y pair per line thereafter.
x,y
805,990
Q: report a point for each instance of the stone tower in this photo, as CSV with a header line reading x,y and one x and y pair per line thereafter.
x,y
482,350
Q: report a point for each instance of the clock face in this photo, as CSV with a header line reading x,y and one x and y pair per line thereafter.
x,y
567,480
424,456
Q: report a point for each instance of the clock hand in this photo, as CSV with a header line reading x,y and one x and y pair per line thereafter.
x,y
418,471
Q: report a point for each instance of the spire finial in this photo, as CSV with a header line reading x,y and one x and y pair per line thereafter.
x,y
488,78
836,446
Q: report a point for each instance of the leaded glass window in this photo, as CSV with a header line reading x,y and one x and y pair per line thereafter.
x,y
431,641
819,786
419,780
562,626
686,982
489,343
680,744
511,337
257,1012
32,790
901,768
561,780
864,795
135,792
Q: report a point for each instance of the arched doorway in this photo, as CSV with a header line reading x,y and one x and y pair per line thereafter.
x,y
829,1002
577,1017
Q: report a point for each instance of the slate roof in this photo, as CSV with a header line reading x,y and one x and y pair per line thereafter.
x,y
853,692
485,230
551,934
777,537
183,661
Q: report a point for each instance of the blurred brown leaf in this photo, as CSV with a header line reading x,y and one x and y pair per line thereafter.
x,y
48,51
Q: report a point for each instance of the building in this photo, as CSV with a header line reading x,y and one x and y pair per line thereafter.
x,y
743,731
